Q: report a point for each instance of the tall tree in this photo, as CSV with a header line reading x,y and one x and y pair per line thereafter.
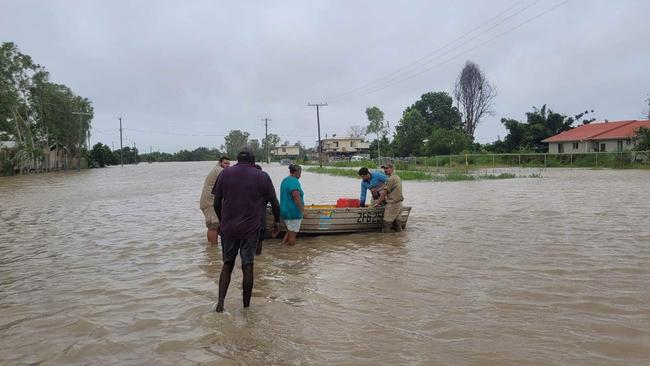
x,y
410,133
474,96
35,112
376,125
438,110
271,142
257,147
235,140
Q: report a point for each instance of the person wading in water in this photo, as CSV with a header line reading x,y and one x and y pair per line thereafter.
x,y
239,194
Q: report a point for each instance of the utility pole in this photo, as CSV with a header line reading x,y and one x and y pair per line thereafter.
x,y
121,149
266,126
135,154
320,145
81,139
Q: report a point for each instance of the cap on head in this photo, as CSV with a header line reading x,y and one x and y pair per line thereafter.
x,y
389,165
246,155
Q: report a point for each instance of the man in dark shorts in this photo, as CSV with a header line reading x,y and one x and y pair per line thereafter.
x,y
238,196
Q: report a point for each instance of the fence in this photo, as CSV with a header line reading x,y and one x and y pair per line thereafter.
x,y
618,159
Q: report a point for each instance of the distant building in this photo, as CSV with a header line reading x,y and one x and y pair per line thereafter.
x,y
344,147
596,137
286,151
8,145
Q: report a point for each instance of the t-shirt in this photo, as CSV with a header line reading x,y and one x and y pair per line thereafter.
x,y
243,190
394,189
288,208
377,179
207,198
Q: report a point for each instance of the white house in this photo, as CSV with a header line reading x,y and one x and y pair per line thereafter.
x,y
346,146
286,151
597,137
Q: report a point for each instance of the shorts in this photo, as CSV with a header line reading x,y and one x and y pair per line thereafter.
x,y
392,212
245,247
211,219
293,225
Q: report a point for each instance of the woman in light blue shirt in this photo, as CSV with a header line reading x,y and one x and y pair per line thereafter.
x,y
292,204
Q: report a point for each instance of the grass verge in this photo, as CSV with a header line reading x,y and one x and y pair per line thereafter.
x,y
414,175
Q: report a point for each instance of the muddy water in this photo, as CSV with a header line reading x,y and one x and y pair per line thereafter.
x,y
110,266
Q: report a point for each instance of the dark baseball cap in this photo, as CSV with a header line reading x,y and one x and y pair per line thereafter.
x,y
388,165
246,153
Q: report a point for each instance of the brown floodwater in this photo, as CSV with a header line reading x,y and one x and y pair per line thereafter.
x,y
111,266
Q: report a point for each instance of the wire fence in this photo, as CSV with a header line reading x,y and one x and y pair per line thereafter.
x,y
615,160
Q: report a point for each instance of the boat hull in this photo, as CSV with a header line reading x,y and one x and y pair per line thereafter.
x,y
331,220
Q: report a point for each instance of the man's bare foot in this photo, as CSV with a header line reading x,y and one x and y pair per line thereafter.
x,y
219,308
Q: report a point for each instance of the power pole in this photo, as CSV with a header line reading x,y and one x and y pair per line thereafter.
x,y
135,155
320,145
266,126
121,149
81,139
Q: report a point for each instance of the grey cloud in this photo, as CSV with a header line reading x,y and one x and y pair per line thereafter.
x,y
206,67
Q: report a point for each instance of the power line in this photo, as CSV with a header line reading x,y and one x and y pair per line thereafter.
x,y
402,79
203,134
389,76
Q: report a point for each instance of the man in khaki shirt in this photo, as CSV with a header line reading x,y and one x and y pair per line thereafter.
x,y
392,196
207,199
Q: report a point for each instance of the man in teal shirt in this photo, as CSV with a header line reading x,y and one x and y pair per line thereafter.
x,y
292,204
371,181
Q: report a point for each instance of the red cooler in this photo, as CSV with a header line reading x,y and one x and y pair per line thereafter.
x,y
347,202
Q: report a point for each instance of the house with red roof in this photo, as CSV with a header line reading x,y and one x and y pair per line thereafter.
x,y
597,137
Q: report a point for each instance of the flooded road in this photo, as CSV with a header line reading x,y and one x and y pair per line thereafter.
x,y
111,266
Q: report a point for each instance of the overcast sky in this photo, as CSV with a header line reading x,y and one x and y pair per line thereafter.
x,y
184,73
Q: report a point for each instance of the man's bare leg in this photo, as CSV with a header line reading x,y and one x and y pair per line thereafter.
x,y
213,236
397,225
247,283
292,238
285,239
224,282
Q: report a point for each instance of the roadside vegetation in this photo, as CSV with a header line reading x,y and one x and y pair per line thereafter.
x,y
419,175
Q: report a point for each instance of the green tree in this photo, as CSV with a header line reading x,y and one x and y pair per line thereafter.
x,y
235,140
270,143
101,154
259,152
540,124
386,147
438,110
447,142
376,125
36,113
643,139
410,133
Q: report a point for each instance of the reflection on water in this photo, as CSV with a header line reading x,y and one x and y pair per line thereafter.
x,y
111,266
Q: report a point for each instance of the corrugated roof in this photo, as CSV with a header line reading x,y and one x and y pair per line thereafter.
x,y
600,131
623,132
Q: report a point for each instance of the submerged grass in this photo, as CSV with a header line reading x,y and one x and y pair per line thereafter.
x,y
415,175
